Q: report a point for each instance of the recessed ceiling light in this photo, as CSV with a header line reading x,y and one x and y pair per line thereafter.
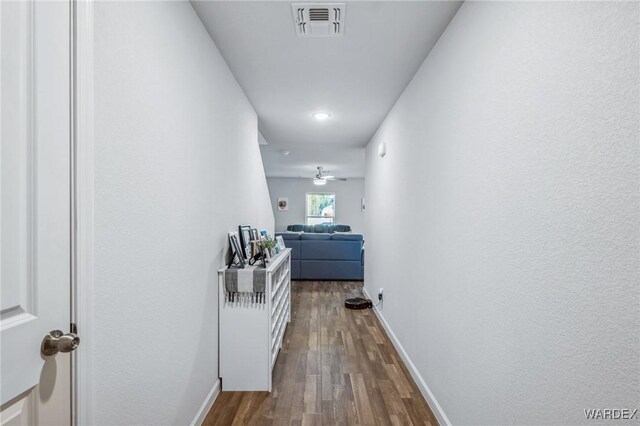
x,y
285,152
321,115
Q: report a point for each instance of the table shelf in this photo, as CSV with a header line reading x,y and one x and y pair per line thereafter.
x,y
251,334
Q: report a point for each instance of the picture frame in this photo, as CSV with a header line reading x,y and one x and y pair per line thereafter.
x,y
244,231
280,242
255,242
236,250
255,248
283,204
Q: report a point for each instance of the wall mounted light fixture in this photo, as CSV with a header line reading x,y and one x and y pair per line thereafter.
x,y
382,149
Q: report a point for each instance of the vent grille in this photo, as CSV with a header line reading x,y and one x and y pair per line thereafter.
x,y
319,20
318,14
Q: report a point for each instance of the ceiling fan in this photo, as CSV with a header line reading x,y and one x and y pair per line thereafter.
x,y
321,178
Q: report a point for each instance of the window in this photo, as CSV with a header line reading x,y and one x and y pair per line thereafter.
x,y
321,208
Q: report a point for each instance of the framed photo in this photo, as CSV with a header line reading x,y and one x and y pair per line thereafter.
x,y
280,243
255,248
264,256
236,250
255,236
283,204
245,237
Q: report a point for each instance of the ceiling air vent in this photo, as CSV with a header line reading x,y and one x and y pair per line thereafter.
x,y
319,20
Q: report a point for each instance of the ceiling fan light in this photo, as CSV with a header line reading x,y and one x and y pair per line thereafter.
x,y
318,181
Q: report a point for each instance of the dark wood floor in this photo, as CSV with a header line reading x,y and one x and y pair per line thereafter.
x,y
336,367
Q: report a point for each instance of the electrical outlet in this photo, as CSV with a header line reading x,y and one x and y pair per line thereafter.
x,y
380,294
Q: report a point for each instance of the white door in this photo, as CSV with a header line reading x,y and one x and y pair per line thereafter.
x,y
34,210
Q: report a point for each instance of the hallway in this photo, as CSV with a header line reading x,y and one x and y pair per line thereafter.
x,y
337,366
477,161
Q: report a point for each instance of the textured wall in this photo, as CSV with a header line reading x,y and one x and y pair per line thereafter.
x,y
177,167
348,197
512,157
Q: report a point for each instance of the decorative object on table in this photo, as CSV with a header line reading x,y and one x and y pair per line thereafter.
x,y
236,251
255,249
268,244
283,204
245,237
255,242
280,242
259,254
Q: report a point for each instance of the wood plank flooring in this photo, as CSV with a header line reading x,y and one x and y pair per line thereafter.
x,y
336,367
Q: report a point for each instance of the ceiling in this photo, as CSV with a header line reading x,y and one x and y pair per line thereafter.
x,y
357,77
341,161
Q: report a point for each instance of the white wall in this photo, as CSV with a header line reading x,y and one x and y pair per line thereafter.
x,y
348,196
177,167
513,154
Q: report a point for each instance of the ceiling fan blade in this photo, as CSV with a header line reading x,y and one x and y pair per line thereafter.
x,y
334,178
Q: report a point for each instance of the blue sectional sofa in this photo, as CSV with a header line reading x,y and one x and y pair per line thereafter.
x,y
320,256
327,228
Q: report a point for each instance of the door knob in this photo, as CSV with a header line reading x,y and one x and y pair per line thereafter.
x,y
56,341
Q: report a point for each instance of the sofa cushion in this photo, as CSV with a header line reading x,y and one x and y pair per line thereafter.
x,y
321,228
295,248
331,250
312,236
289,235
347,237
330,270
295,269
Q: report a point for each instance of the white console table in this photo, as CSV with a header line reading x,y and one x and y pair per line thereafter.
x,y
251,334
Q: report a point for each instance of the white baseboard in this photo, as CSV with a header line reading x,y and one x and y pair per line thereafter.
x,y
417,377
207,404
